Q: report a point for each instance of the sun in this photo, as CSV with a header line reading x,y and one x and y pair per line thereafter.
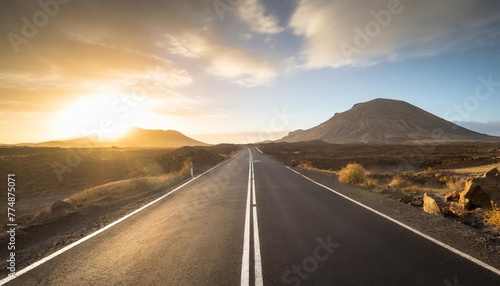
x,y
105,116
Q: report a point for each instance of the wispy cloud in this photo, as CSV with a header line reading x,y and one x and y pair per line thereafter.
x,y
360,33
252,13
233,63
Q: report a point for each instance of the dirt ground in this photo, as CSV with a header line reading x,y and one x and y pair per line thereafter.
x,y
386,157
45,175
38,187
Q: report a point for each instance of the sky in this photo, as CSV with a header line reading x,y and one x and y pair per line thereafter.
x,y
240,70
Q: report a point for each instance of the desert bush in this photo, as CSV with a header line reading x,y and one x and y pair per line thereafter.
x,y
492,217
306,165
121,187
399,182
353,174
370,184
186,167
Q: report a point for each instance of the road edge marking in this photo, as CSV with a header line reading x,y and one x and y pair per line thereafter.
x,y
80,241
245,258
259,280
442,244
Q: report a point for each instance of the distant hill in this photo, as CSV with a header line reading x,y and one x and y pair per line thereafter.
x,y
137,137
385,121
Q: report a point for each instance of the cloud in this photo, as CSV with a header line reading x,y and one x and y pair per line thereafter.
x,y
227,62
252,13
188,45
360,33
83,46
240,66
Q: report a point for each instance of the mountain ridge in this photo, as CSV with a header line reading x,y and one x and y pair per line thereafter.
x,y
135,138
385,121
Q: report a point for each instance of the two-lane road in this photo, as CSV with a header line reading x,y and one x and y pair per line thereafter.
x,y
253,221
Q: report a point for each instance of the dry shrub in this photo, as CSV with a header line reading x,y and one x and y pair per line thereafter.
x,y
399,182
353,174
186,168
120,187
307,165
492,217
370,184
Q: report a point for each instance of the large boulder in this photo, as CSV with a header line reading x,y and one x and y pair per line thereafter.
x,y
482,191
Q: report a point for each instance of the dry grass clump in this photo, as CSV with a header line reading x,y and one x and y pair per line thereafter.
x,y
492,217
309,166
353,173
120,187
128,186
96,193
399,182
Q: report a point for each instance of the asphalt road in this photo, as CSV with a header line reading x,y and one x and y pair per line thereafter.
x,y
252,221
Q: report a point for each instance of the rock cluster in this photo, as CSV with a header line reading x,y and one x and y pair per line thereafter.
x,y
482,191
479,192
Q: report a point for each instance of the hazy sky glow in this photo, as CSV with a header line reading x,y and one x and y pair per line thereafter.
x,y
240,71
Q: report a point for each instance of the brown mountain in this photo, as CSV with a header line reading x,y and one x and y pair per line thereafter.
x,y
385,121
137,137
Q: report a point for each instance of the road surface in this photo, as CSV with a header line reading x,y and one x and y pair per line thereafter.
x,y
252,221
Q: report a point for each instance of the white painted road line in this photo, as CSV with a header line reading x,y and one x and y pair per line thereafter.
x,y
245,260
259,150
259,281
256,249
68,247
254,201
294,171
442,244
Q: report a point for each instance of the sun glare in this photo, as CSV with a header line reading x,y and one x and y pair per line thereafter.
x,y
106,116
